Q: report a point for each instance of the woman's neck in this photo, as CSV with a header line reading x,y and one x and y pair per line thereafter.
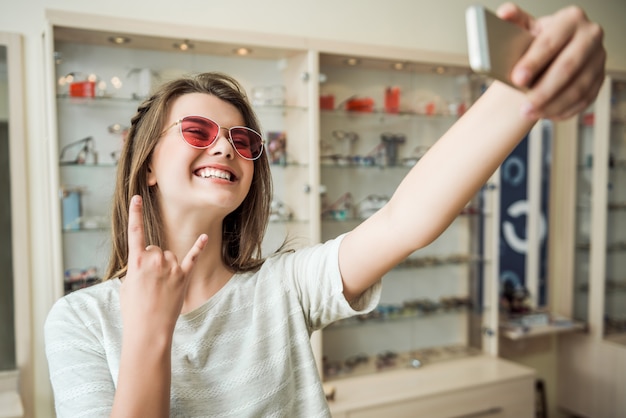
x,y
209,273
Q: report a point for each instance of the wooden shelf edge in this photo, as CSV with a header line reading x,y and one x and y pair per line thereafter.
x,y
521,333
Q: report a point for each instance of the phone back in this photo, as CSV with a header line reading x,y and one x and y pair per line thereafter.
x,y
494,45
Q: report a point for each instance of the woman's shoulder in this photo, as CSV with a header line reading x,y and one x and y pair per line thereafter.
x,y
307,253
92,300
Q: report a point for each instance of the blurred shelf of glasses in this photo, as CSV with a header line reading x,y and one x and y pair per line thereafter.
x,y
376,122
96,100
260,109
361,364
381,115
72,165
411,310
86,229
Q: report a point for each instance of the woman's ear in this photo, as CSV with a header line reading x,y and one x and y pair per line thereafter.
x,y
151,177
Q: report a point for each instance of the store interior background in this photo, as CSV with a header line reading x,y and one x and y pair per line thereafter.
x,y
415,24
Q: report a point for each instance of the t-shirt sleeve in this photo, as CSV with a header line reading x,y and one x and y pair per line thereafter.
x,y
315,276
79,372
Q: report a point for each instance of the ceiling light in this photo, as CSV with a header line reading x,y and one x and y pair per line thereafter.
x,y
398,66
352,61
440,70
119,40
242,51
184,46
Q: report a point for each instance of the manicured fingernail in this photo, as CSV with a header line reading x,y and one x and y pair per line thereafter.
x,y
136,200
520,76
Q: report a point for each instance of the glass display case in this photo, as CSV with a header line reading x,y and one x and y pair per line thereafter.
x,y
599,284
99,85
377,118
584,170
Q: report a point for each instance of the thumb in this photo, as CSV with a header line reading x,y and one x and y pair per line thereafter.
x,y
190,259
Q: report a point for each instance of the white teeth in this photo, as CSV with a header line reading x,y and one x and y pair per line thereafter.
x,y
212,172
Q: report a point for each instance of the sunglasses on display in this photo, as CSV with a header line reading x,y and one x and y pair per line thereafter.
x,y
200,132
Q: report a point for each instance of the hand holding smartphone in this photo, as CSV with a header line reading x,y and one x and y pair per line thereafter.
x,y
494,45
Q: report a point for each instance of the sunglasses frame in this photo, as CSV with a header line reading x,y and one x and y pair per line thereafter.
x,y
219,128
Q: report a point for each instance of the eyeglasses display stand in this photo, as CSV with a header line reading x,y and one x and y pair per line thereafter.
x,y
594,280
101,120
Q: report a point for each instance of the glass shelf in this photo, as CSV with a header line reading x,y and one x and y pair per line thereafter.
x,y
385,314
361,364
108,99
279,166
86,230
279,108
97,100
378,113
87,166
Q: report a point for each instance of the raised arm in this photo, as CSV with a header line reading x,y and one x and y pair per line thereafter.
x,y
563,69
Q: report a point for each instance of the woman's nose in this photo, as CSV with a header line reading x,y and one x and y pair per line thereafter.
x,y
222,145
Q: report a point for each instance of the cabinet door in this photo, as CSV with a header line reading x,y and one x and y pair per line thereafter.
x,y
376,121
583,225
99,86
615,276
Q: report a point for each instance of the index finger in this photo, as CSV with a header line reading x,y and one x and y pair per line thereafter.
x,y
513,13
553,44
136,240
539,53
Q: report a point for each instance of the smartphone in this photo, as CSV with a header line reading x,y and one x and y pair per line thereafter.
x,y
494,45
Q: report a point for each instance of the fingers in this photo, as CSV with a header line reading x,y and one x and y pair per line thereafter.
x,y
563,68
137,245
574,96
136,240
190,259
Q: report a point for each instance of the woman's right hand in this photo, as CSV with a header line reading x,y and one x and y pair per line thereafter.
x,y
563,68
151,299
153,291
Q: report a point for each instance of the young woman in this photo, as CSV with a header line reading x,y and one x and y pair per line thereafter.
x,y
192,321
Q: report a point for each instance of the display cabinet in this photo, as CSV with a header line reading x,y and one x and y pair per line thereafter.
x,y
615,275
597,259
99,85
377,118
600,213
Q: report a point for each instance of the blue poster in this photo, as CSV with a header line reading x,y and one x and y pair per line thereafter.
x,y
514,209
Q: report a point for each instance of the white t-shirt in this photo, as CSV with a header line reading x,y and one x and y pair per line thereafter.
x,y
243,353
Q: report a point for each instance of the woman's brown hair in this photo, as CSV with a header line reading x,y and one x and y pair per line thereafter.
x,y
242,230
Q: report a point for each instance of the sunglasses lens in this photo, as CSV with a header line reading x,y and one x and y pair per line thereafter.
x,y
247,142
199,132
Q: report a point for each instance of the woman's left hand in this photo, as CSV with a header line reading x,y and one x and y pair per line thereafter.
x,y
563,68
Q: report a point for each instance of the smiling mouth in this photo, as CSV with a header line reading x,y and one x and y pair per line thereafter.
x,y
208,172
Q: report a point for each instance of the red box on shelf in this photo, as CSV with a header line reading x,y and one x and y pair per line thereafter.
x,y
327,102
83,89
392,99
365,104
